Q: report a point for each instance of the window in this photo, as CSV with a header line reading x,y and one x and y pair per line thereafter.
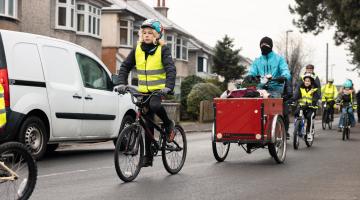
x,y
126,33
202,64
8,8
93,74
170,44
181,49
65,14
80,17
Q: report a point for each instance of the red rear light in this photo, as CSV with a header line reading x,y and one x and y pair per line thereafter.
x,y
4,81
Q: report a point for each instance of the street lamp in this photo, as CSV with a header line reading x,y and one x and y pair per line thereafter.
x,y
286,50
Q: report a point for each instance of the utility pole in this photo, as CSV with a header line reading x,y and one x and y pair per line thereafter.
x,y
327,61
286,46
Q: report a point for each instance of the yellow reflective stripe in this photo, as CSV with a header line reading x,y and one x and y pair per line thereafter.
x,y
152,83
152,77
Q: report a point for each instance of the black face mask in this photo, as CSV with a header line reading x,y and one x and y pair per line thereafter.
x,y
265,50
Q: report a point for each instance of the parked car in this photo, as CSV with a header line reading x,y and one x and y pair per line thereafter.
x,y
56,91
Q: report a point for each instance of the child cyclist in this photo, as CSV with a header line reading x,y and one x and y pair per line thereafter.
x,y
155,71
346,98
307,97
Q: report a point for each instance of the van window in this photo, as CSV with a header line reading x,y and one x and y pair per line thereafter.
x,y
59,68
93,74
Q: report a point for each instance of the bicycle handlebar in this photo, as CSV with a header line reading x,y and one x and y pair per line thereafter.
x,y
134,94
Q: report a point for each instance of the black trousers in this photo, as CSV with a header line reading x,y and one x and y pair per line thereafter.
x,y
155,107
308,112
331,108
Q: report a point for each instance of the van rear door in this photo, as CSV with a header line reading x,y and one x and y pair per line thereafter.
x,y
64,88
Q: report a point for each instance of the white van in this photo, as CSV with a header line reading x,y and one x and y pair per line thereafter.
x,y
56,91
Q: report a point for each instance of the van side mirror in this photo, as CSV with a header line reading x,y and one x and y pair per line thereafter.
x,y
115,79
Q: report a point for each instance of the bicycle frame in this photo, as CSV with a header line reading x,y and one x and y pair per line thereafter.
x,y
141,120
13,176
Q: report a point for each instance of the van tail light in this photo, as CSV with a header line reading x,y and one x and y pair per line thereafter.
x,y
4,81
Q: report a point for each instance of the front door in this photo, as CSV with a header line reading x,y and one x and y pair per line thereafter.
x,y
100,102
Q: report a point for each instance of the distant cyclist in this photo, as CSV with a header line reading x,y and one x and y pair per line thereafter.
x,y
346,98
329,94
307,97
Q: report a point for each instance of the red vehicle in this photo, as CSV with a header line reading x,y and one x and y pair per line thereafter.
x,y
251,123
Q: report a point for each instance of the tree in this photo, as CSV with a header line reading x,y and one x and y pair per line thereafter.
x,y
298,55
227,61
316,15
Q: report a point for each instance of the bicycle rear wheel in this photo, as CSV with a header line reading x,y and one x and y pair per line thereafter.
x,y
129,153
174,154
17,158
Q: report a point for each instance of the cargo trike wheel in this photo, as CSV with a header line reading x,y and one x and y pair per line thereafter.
x,y
277,148
220,150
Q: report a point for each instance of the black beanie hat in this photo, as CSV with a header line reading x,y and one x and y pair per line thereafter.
x,y
267,40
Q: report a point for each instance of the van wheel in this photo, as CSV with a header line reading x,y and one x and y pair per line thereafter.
x,y
33,135
127,121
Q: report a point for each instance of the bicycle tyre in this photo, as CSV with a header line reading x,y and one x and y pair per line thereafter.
x,y
125,140
297,129
278,149
220,157
171,166
27,185
345,127
324,119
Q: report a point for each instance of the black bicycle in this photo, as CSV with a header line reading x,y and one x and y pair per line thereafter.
x,y
129,149
346,125
18,171
300,128
326,116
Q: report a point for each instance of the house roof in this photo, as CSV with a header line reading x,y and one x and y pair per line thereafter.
x,y
140,8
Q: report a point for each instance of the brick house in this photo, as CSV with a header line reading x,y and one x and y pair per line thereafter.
x,y
77,21
121,24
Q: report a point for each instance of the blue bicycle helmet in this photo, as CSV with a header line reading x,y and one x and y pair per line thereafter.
x,y
154,24
348,84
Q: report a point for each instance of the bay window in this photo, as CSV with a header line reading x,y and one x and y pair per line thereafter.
x,y
126,32
181,49
8,8
65,14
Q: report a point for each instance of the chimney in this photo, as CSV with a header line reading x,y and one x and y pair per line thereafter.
x,y
161,8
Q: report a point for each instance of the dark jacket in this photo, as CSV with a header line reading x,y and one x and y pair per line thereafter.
x,y
167,62
358,97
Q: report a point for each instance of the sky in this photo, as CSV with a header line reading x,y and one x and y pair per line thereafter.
x,y
248,21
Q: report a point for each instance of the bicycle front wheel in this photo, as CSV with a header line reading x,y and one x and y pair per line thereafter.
x,y
19,162
174,154
324,119
297,132
129,153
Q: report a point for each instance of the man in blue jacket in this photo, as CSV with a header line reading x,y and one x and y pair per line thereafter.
x,y
270,64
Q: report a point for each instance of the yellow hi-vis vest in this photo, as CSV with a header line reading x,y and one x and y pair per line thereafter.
x,y
329,92
2,108
150,72
306,97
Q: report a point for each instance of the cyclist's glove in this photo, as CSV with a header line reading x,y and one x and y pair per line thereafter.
x,y
121,89
165,91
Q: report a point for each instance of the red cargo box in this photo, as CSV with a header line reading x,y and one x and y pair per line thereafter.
x,y
245,118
